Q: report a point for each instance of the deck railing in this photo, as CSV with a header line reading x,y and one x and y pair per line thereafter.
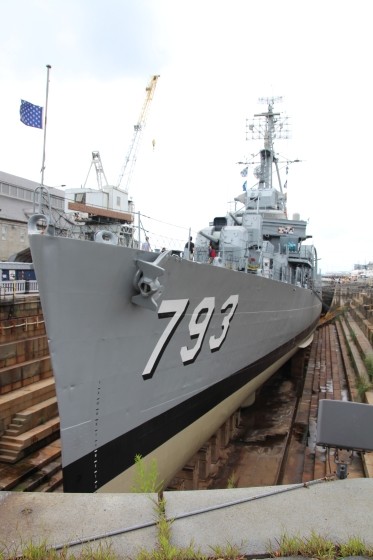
x,y
12,287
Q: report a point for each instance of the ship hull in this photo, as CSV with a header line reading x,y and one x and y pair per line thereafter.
x,y
155,382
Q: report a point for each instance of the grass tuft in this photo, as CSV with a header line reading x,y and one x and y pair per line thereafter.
x,y
146,476
355,546
165,550
369,365
228,552
317,546
362,386
232,481
353,336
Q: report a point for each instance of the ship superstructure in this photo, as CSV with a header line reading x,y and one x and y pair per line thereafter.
x,y
259,237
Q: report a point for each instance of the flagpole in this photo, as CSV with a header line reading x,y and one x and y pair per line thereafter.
x,y
45,125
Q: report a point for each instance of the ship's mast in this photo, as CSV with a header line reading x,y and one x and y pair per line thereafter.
x,y
267,126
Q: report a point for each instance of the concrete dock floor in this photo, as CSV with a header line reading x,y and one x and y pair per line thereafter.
x,y
252,519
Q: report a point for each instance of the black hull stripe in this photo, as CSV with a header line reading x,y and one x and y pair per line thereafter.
x,y
118,455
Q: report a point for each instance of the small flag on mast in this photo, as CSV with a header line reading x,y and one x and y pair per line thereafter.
x,y
31,115
244,172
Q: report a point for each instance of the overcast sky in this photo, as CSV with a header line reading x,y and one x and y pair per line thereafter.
x,y
215,59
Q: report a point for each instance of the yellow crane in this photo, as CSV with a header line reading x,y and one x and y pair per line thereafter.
x,y
129,162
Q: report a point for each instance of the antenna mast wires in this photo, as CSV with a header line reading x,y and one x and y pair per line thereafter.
x,y
129,163
268,125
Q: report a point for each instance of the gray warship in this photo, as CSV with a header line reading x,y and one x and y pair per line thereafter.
x,y
152,352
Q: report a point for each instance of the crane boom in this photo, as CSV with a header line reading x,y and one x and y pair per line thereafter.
x,y
96,161
129,163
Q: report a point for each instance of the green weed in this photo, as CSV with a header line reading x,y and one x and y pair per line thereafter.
x,y
146,476
362,386
232,481
41,551
353,336
228,552
317,546
354,547
369,365
165,550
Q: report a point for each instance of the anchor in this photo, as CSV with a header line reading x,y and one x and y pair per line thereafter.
x,y
147,283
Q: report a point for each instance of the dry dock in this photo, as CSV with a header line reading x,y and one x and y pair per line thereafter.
x,y
260,477
269,443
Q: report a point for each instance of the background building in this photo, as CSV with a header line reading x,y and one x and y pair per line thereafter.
x,y
17,201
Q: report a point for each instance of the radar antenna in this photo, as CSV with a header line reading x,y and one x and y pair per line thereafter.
x,y
267,126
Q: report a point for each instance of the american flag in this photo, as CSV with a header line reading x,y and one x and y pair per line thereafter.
x,y
31,115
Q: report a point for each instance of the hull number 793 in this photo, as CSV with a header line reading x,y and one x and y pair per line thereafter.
x,y
176,309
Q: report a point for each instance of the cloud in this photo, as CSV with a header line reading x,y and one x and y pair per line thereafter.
x,y
215,58
108,39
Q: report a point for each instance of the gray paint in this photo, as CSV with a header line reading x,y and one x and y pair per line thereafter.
x,y
100,341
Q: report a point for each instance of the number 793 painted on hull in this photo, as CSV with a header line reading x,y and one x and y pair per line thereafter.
x,y
176,309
